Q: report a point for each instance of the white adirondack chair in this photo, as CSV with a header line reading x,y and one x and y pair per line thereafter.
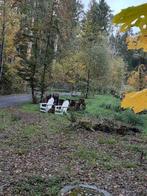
x,y
45,107
61,109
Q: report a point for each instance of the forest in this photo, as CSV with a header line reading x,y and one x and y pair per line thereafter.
x,y
47,44
90,66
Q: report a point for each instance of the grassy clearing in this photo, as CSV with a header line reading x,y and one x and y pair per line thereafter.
x,y
41,145
106,106
29,107
102,105
21,126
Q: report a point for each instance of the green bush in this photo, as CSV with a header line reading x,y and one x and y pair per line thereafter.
x,y
129,117
109,106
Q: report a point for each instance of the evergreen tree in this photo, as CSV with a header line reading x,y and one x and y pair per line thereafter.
x,y
97,19
104,16
69,16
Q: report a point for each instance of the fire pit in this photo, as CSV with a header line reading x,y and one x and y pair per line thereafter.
x,y
83,190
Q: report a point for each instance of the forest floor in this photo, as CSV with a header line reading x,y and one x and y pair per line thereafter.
x,y
40,154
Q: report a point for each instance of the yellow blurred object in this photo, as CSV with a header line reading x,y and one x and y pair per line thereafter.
x,y
136,101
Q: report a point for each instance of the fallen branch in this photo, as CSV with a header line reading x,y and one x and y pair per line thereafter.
x,y
105,125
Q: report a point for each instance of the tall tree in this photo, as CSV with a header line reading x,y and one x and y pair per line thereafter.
x,y
97,18
69,14
104,16
35,41
94,41
50,36
46,28
25,44
9,23
3,31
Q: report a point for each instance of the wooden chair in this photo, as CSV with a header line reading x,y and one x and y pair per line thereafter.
x,y
61,109
45,107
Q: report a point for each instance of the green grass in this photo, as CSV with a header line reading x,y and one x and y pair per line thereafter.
x,y
29,107
7,119
37,186
45,131
93,157
95,105
26,124
110,141
103,159
30,130
86,154
107,106
136,148
144,118
102,106
129,165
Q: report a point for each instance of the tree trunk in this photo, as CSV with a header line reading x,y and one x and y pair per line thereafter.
x,y
43,83
29,56
3,40
33,92
88,84
140,70
33,82
48,45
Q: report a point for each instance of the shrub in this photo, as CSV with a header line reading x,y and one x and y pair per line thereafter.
x,y
109,106
129,117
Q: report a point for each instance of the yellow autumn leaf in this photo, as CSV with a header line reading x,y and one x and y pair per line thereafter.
x,y
137,42
136,101
135,16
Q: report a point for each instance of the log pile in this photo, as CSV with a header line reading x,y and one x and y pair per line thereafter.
x,y
105,125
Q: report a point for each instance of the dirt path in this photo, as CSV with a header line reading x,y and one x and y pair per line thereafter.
x,y
13,100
